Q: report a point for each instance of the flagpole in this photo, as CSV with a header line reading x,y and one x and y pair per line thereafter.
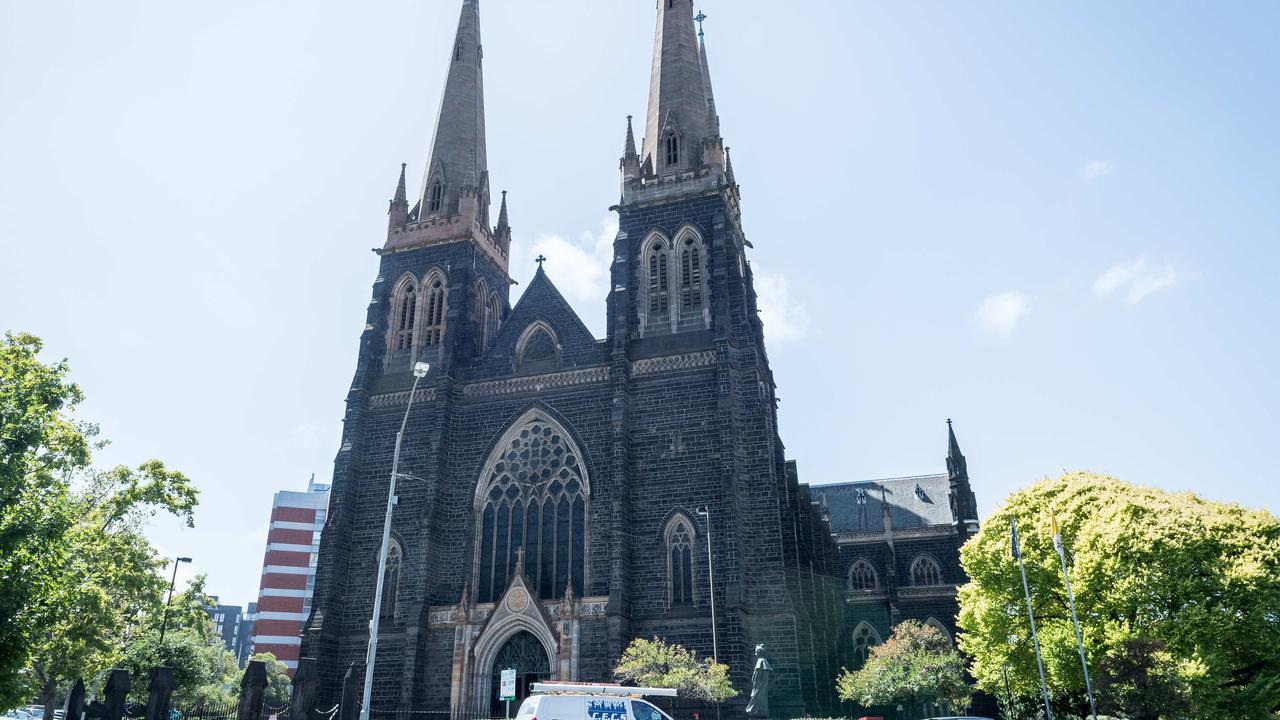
x,y
1035,640
1071,601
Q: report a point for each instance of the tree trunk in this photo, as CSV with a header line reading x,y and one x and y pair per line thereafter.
x,y
49,696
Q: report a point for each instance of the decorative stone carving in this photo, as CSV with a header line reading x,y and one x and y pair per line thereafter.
x,y
400,399
537,383
653,366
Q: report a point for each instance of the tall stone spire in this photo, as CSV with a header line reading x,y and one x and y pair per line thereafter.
x,y
458,166
713,119
677,91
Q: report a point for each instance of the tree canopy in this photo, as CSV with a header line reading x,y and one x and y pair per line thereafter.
x,y
1196,582
78,577
657,663
917,665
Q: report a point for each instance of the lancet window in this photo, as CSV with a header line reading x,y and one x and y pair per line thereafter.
x,y
435,197
404,316
657,286
492,318
673,149
679,538
434,309
926,572
391,579
532,495
693,295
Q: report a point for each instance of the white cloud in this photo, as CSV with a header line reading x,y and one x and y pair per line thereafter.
x,y
1096,170
784,318
1136,280
579,268
1000,314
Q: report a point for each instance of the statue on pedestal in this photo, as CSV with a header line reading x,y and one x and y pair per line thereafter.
x,y
758,705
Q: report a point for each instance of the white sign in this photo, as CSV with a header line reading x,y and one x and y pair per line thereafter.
x,y
507,689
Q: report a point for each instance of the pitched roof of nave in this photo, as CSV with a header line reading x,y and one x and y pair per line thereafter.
x,y
542,301
914,502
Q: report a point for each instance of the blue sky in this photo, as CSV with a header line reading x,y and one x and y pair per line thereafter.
x,y
1055,222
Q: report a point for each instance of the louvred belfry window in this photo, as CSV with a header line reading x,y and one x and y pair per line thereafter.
x,y
659,284
435,198
673,149
406,316
433,325
534,497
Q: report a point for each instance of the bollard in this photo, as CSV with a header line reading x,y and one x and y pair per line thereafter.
x,y
253,691
306,681
159,693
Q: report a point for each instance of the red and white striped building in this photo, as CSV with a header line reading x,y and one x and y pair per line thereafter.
x,y
289,571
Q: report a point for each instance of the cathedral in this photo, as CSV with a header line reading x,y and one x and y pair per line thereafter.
x,y
560,495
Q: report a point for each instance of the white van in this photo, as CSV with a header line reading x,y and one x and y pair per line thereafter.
x,y
591,703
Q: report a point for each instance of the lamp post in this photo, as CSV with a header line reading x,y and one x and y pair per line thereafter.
x,y
705,511
164,624
420,371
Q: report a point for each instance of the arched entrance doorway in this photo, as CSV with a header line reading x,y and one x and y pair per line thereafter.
x,y
528,657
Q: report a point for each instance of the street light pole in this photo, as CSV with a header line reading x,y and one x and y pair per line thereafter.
x,y
164,624
419,371
705,511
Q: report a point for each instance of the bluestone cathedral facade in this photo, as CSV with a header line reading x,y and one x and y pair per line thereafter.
x,y
557,492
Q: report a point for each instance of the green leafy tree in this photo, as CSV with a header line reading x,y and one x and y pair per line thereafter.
x,y
279,686
39,446
657,663
1197,576
916,667
76,573
204,671
1140,680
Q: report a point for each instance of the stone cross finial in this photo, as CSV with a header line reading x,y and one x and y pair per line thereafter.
x,y
700,17
540,259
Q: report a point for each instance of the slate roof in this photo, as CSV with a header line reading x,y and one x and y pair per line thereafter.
x,y
907,508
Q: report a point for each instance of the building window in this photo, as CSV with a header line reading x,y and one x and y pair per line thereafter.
x,y
862,576
480,313
532,496
404,318
391,580
936,624
673,149
435,197
865,637
492,318
693,298
537,350
679,538
925,572
658,286
436,295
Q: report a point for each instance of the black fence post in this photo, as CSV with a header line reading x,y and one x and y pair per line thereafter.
x,y
351,688
115,695
306,681
159,694
75,700
253,691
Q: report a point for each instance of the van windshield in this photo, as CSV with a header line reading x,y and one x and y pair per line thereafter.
x,y
644,711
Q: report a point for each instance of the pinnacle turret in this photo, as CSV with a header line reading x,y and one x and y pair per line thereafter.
x,y
964,504
630,164
399,210
502,232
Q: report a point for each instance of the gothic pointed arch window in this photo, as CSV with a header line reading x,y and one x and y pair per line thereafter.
x,y
692,255
436,296
435,196
936,624
404,314
533,494
656,307
926,572
492,318
538,349
862,576
679,536
672,142
480,313
865,637
391,579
